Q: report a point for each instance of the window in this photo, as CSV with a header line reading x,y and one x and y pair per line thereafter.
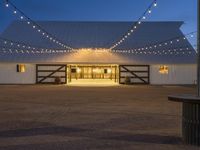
x,y
73,70
163,69
21,68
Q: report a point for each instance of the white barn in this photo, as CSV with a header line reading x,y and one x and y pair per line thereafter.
x,y
168,64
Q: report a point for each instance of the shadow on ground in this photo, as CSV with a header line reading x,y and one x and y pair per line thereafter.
x,y
100,135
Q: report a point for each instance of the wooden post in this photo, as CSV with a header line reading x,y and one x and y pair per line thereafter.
x,y
191,104
198,49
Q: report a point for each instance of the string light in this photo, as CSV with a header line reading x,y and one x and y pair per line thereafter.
x,y
155,4
173,51
149,11
136,51
122,39
18,44
30,21
170,41
6,4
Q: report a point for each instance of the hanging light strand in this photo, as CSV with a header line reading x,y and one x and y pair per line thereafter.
x,y
147,12
10,44
21,45
169,51
36,26
168,42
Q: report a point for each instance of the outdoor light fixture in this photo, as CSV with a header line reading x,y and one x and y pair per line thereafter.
x,y
109,71
163,69
21,68
149,11
78,70
96,70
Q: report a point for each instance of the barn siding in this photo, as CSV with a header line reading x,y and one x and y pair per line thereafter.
x,y
178,74
9,74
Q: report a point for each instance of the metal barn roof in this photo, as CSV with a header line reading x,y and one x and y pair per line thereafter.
x,y
97,35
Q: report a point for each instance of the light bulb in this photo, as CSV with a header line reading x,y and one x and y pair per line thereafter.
x,y
155,4
14,11
22,17
7,5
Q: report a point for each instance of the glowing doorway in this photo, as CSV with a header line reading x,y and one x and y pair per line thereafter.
x,y
79,74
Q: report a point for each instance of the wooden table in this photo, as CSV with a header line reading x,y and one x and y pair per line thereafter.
x,y
190,117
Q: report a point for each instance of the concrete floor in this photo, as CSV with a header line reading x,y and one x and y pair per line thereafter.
x,y
90,118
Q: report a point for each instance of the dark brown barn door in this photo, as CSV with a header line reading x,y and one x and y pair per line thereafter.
x,y
47,73
137,74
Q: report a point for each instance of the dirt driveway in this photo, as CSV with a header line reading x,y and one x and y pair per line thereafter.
x,y
90,118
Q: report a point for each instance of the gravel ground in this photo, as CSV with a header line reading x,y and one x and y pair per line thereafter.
x,y
36,117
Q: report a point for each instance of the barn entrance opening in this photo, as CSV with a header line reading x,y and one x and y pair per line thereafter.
x,y
96,74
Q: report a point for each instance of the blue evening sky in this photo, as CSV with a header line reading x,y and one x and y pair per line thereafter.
x,y
103,10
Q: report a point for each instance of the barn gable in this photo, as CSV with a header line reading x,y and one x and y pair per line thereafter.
x,y
98,35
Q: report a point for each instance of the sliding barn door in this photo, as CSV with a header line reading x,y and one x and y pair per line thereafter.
x,y
137,74
47,73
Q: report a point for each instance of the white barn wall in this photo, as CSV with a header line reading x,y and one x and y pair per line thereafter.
x,y
9,74
178,74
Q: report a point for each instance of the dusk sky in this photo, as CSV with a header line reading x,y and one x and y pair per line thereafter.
x,y
103,10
